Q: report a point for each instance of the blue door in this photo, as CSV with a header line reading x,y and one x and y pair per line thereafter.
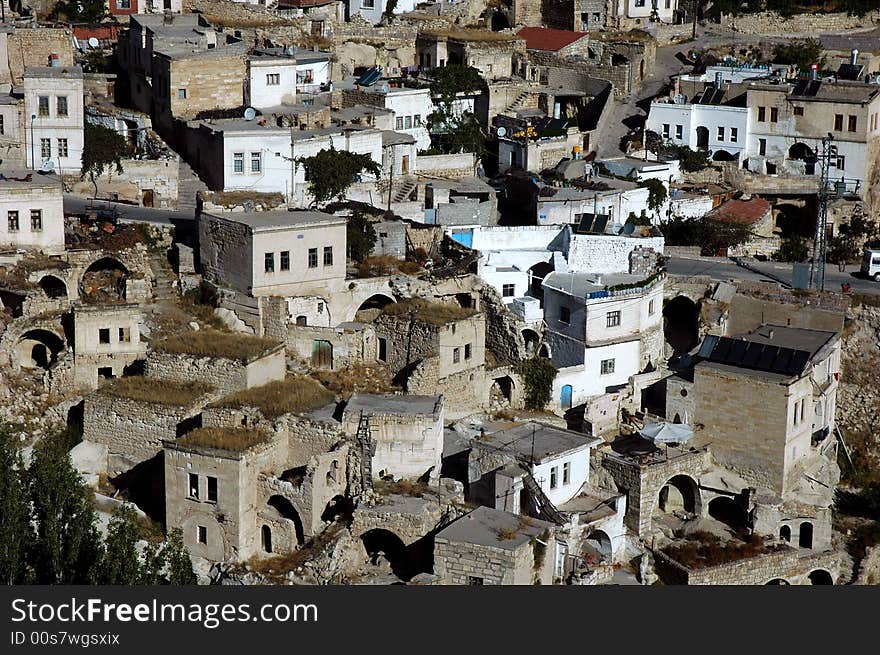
x,y
565,399
464,237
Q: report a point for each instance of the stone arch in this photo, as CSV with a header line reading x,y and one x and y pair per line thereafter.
x,y
38,348
379,542
532,340
288,512
680,492
777,581
802,152
600,541
545,351
820,577
376,301
785,533
338,506
500,21
723,155
502,390
681,324
729,512
537,273
805,535
103,279
53,286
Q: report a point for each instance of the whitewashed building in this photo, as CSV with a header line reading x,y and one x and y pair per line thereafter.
x,y
374,10
53,117
31,211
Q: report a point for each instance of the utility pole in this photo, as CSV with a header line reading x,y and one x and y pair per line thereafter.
x,y
33,118
391,179
820,237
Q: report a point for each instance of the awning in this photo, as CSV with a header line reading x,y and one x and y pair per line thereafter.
x,y
667,432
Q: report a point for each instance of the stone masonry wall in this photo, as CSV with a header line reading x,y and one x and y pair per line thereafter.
x,y
769,23
32,47
456,562
227,375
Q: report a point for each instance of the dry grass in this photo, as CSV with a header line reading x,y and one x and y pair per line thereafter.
x,y
162,392
400,488
426,311
297,393
213,343
386,265
704,549
234,440
236,198
358,378
506,534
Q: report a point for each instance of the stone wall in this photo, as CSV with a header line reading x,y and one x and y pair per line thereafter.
x,y
390,239
769,23
757,302
456,562
351,345
450,166
226,375
32,47
144,182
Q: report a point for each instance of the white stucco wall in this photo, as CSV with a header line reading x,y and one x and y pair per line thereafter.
x,y
53,126
263,94
273,144
580,473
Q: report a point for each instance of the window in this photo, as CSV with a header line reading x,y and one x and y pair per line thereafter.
x,y
838,122
417,120
62,147
803,406
679,131
762,114
202,535
841,162
612,319
399,123
564,315
734,134
851,124
467,351
665,130
328,255
212,489
123,4
720,133
456,355
181,94
553,477
12,218
607,366
124,335
774,114
302,320
46,148
798,111
256,162
407,123
639,3
304,77
104,335
285,260
273,79
2,127
194,485
651,307
508,290
762,147
36,220
383,349
61,105
269,262
43,106
313,258
566,473
238,162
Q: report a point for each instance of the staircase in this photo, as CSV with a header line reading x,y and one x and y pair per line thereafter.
x,y
367,449
404,190
188,185
518,102
164,279
545,507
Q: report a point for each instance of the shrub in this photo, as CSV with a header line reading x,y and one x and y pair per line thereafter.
x,y
297,393
213,343
232,439
150,390
426,311
538,375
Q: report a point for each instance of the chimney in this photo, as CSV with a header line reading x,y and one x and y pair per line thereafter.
x,y
771,333
854,56
719,78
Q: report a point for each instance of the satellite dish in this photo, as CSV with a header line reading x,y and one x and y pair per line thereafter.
x,y
628,229
93,42
48,166
250,114
501,131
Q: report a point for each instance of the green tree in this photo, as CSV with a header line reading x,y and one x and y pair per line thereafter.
x,y
331,172
710,235
67,546
103,150
455,130
656,194
537,374
361,236
121,564
179,564
15,524
81,11
802,53
793,248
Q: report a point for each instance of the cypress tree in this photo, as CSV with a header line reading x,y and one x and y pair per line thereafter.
x,y
15,524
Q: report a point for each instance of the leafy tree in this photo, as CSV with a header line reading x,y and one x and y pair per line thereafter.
x,y
361,236
81,11
711,235
793,248
67,545
656,194
103,150
180,570
689,159
842,249
121,564
457,130
390,6
331,172
537,374
802,53
15,525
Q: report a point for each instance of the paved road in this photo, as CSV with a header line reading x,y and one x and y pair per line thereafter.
x,y
721,268
129,213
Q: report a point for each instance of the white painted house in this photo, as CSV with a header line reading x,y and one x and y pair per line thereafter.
x,y
31,211
53,117
373,10
271,80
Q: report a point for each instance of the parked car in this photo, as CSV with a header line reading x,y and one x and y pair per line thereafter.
x,y
871,264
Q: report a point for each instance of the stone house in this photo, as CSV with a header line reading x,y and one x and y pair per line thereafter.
x,y
53,112
491,53
493,547
411,107
465,203
756,214
406,433
32,211
107,341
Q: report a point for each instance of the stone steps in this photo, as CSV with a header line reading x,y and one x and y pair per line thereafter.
x,y
188,186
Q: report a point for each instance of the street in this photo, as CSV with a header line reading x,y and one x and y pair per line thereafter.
x,y
131,213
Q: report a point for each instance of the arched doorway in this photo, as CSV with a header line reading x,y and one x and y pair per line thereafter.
x,y
53,287
680,493
785,533
338,506
600,541
537,273
499,21
805,535
723,155
379,544
287,512
266,539
565,397
370,308
104,281
777,582
702,138
820,577
729,512
681,324
802,152
38,349
501,391
544,351
531,339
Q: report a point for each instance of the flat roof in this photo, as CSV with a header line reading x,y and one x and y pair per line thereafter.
x,y
390,403
72,72
812,341
392,138
17,179
581,284
279,219
486,526
538,440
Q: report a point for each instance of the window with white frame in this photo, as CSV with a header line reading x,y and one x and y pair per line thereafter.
x,y
43,106
554,482
368,4
679,131
273,79
256,162
61,105
720,133
398,124
46,148
508,290
238,162
407,123
734,134
566,473
666,130
62,147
